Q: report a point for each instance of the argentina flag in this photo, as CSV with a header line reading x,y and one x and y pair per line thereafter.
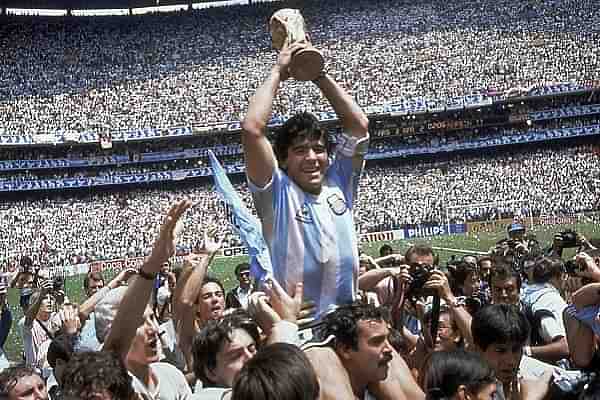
x,y
246,224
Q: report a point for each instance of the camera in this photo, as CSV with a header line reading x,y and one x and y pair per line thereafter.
x,y
568,238
567,386
572,268
420,273
58,284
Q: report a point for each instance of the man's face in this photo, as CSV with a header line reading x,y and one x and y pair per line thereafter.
x,y
47,305
505,291
372,359
232,356
426,259
165,268
485,268
307,163
211,302
447,336
30,387
93,286
472,283
244,278
145,347
26,280
505,359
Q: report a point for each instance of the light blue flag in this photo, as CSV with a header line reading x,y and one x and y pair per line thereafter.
x,y
246,224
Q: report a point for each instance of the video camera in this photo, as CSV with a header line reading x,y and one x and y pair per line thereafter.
x,y
568,239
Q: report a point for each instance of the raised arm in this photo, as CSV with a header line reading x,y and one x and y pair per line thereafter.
x,y
354,120
260,158
131,310
87,307
186,294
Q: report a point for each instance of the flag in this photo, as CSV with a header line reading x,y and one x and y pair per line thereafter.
x,y
246,224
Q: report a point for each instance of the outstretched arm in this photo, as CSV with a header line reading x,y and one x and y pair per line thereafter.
x,y
187,292
131,310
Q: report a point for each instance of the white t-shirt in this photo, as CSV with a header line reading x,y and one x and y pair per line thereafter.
x,y
212,393
547,297
171,384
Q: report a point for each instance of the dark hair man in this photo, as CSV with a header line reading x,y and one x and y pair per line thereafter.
x,y
361,357
17,383
305,202
499,333
221,349
238,296
279,371
544,307
97,375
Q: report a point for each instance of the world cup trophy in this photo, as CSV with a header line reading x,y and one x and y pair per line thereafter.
x,y
287,27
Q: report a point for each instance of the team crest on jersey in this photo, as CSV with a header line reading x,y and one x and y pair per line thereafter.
x,y
304,215
337,204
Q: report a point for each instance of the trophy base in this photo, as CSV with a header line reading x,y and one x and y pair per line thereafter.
x,y
307,64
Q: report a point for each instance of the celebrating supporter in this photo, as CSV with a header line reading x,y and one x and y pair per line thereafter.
x,y
17,383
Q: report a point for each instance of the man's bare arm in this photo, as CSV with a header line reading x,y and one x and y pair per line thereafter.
x,y
260,158
131,310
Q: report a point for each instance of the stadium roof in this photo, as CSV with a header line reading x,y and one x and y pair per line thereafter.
x,y
12,5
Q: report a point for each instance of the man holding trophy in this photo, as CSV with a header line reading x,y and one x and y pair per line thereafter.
x,y
305,202
304,197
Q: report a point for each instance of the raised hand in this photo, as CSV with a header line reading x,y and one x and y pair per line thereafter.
x,y
164,246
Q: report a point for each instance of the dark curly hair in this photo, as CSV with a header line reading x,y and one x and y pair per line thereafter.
x,y
96,371
278,371
343,322
11,376
299,127
211,338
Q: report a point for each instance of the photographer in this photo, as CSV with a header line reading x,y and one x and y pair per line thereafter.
x,y
41,322
466,283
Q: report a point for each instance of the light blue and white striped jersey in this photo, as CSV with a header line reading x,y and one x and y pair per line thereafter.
x,y
312,238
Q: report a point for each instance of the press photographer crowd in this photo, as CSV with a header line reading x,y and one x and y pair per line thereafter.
x,y
379,123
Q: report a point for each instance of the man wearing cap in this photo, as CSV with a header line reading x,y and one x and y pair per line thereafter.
x,y
238,296
516,232
5,324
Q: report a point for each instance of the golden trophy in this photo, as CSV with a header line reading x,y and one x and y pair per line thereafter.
x,y
287,27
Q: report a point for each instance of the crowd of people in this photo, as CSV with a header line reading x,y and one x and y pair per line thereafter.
x,y
312,317
508,325
201,68
64,229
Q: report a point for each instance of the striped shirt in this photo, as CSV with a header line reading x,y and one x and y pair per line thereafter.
x,y
312,238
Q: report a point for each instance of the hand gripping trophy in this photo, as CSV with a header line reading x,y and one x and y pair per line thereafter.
x,y
287,27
